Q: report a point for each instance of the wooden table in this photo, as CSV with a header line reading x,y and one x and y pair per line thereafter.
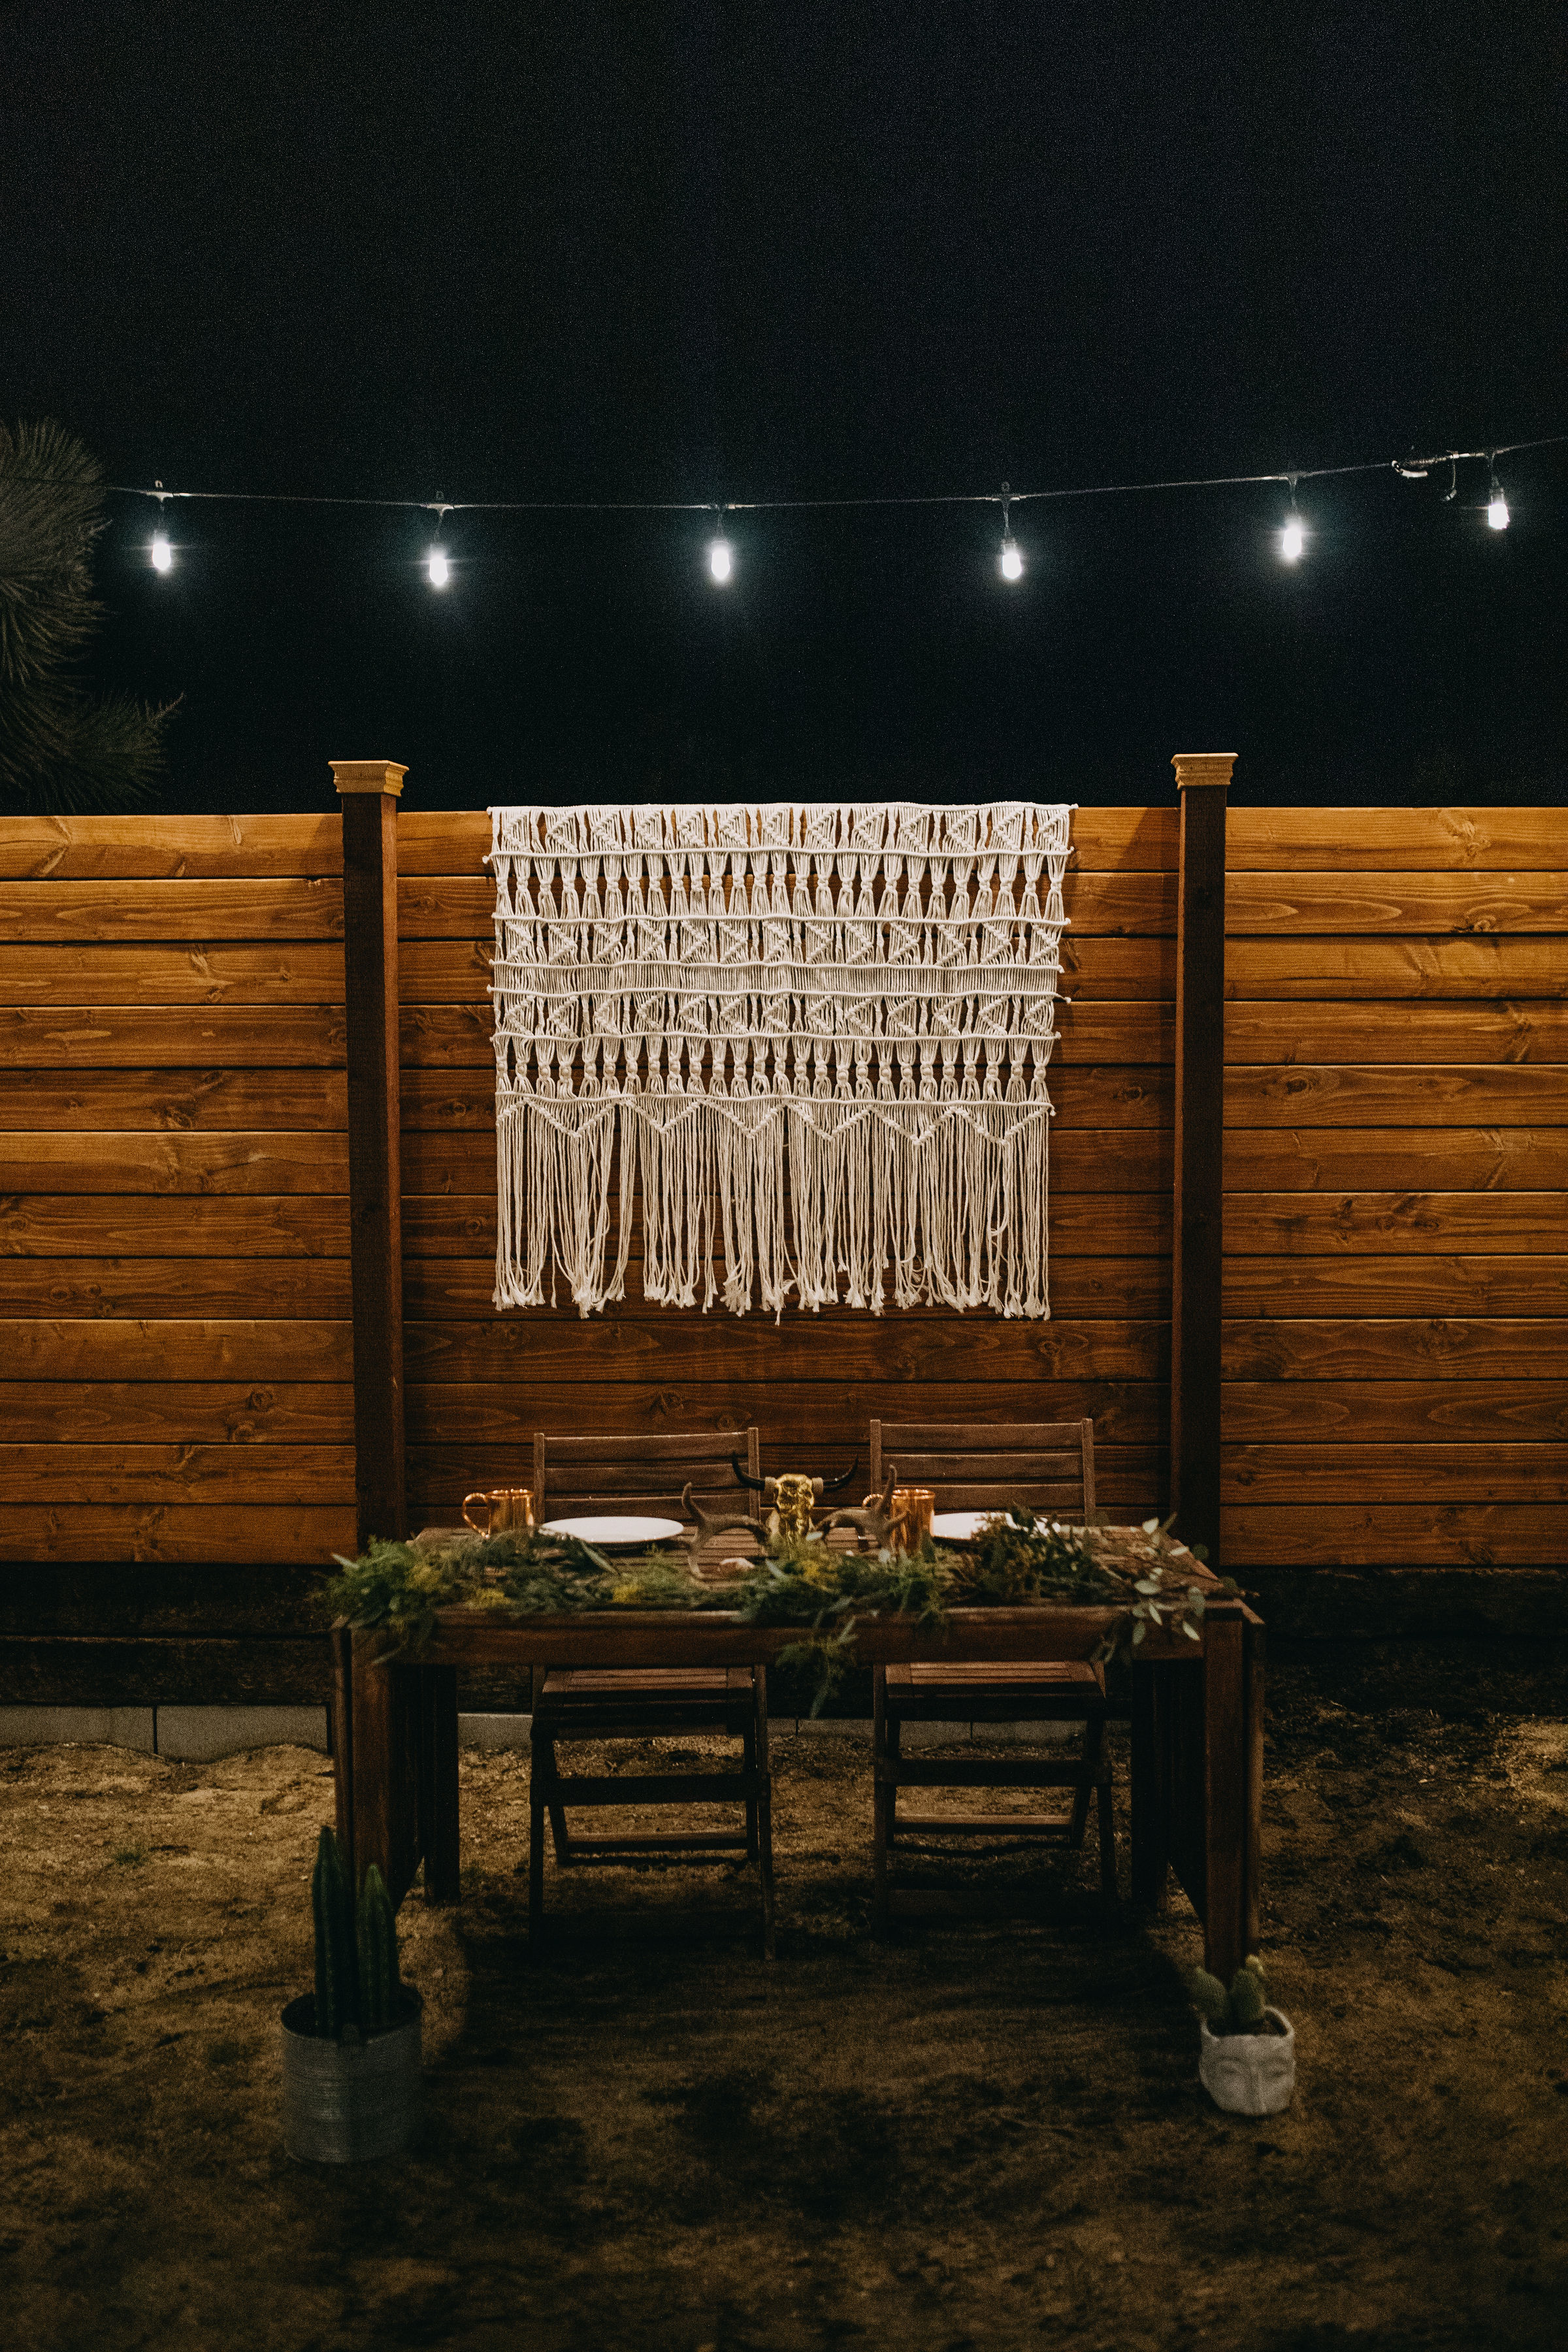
x,y
1196,1727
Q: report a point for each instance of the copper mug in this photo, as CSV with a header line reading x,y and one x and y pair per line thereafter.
x,y
507,1510
909,1513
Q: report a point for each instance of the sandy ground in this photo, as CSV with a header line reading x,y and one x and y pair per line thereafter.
x,y
979,2136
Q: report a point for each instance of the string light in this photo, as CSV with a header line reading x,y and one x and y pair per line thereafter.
x,y
163,554
435,560
1011,561
1293,537
721,555
1497,505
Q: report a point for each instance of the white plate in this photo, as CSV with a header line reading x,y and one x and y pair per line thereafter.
x,y
614,1535
959,1527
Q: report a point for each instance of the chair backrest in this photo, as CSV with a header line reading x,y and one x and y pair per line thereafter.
x,y
973,1465
579,1478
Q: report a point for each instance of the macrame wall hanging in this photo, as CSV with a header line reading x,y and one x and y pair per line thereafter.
x,y
814,1038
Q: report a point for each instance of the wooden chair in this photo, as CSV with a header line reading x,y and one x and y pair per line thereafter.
x,y
577,1478
1049,1466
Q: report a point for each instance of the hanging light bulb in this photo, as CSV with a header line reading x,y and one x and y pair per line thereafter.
x,y
1293,537
1012,556
162,553
721,555
1497,505
437,565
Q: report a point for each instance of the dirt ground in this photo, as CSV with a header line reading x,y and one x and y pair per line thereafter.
x,y
981,2135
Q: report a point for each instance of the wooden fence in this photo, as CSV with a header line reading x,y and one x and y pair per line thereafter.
x,y
178,1458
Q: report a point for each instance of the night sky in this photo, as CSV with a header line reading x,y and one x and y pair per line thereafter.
x,y
687,251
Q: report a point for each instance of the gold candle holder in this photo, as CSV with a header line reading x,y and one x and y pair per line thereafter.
x,y
909,1512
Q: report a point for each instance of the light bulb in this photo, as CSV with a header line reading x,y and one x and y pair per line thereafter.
x,y
1497,506
163,554
1012,559
440,571
721,560
1292,540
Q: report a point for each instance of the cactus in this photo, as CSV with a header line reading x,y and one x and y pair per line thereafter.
x,y
380,1994
337,1983
1239,2010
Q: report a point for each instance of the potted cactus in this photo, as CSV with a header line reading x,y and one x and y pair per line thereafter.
x,y
1246,2059
351,2084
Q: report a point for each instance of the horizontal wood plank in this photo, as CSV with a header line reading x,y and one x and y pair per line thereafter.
x,y
68,1473
87,1100
1476,1095
1391,1159
1394,1412
174,1226
216,1288
1373,1348
1277,903
1522,1031
1349,1535
1352,840
262,909
289,974
1322,971
89,1350
204,1531
831,1349
170,1036
110,1599
792,1420
1106,1224
1415,1475
120,1162
169,848
1305,1224
1468,1286
182,1412
271,1671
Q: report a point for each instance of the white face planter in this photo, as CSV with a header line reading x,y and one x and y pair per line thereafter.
x,y
1249,2074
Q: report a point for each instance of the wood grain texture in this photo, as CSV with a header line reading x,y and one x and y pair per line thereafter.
x,y
139,1673
205,1531
184,1162
114,1036
1470,1286
169,848
433,841
185,1599
1301,1224
1300,1095
70,1473
1397,901
1083,1159
1391,1602
218,1288
192,1351
444,1289
462,907
832,1350
1387,1159
1376,1348
507,1413
263,909
291,974
176,1225
1352,840
1477,1535
184,1412
1401,1030
88,1101
1395,1412
1326,970
1107,1224
1415,1476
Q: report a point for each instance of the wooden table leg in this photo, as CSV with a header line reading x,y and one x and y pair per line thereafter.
x,y
438,1824
384,1746
1149,1794
1232,1791
341,1639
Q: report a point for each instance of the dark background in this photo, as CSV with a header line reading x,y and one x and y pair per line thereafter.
x,y
694,250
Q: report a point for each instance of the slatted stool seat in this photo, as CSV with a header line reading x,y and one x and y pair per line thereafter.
x,y
580,1476
1047,1466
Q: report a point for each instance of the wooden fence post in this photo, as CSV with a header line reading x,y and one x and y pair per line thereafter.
x,y
1203,779
369,791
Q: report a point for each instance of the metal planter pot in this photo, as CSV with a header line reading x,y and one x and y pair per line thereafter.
x,y
1249,2074
349,2102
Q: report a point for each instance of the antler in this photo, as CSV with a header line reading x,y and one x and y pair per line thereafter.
x,y
872,1518
714,1523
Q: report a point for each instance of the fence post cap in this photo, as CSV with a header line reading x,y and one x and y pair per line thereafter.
x,y
1201,768
368,776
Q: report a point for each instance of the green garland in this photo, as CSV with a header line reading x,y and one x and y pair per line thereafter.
x,y
1019,1560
